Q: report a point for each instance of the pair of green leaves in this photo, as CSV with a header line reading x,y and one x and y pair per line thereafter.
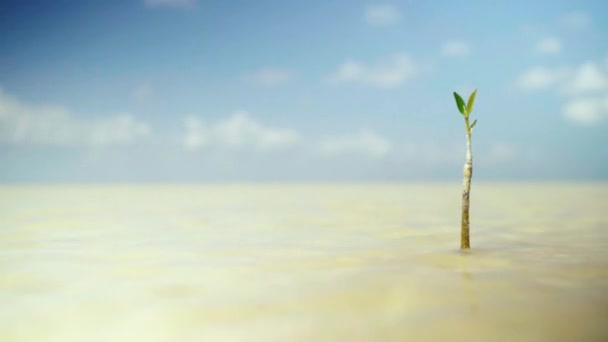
x,y
466,109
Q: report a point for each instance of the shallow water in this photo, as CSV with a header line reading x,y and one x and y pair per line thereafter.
x,y
303,262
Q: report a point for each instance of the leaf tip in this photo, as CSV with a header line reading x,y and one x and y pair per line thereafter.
x,y
460,103
471,101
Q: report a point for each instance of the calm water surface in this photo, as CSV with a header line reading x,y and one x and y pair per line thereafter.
x,y
303,262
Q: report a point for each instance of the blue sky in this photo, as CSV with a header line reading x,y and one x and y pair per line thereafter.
x,y
186,90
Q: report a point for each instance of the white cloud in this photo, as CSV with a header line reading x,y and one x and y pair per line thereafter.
x,y
171,3
143,93
240,132
365,142
388,73
582,86
587,110
430,153
349,71
588,78
501,153
576,20
549,46
24,124
382,15
269,77
539,77
455,48
237,131
196,135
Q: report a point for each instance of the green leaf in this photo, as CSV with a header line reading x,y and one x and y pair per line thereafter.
x,y
473,124
471,101
460,103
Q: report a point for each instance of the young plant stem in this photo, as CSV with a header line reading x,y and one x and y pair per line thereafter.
x,y
466,184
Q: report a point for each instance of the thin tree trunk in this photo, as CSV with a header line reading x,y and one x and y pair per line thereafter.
x,y
466,183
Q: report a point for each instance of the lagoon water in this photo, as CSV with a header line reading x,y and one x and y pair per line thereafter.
x,y
326,262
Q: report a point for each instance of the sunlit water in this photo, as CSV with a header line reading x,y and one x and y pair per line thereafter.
x,y
303,263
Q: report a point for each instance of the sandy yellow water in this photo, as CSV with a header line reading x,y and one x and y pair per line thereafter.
x,y
319,262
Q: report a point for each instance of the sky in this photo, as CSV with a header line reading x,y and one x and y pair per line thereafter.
x,y
274,90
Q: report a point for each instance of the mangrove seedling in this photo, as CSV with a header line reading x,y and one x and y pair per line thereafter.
x,y
465,110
